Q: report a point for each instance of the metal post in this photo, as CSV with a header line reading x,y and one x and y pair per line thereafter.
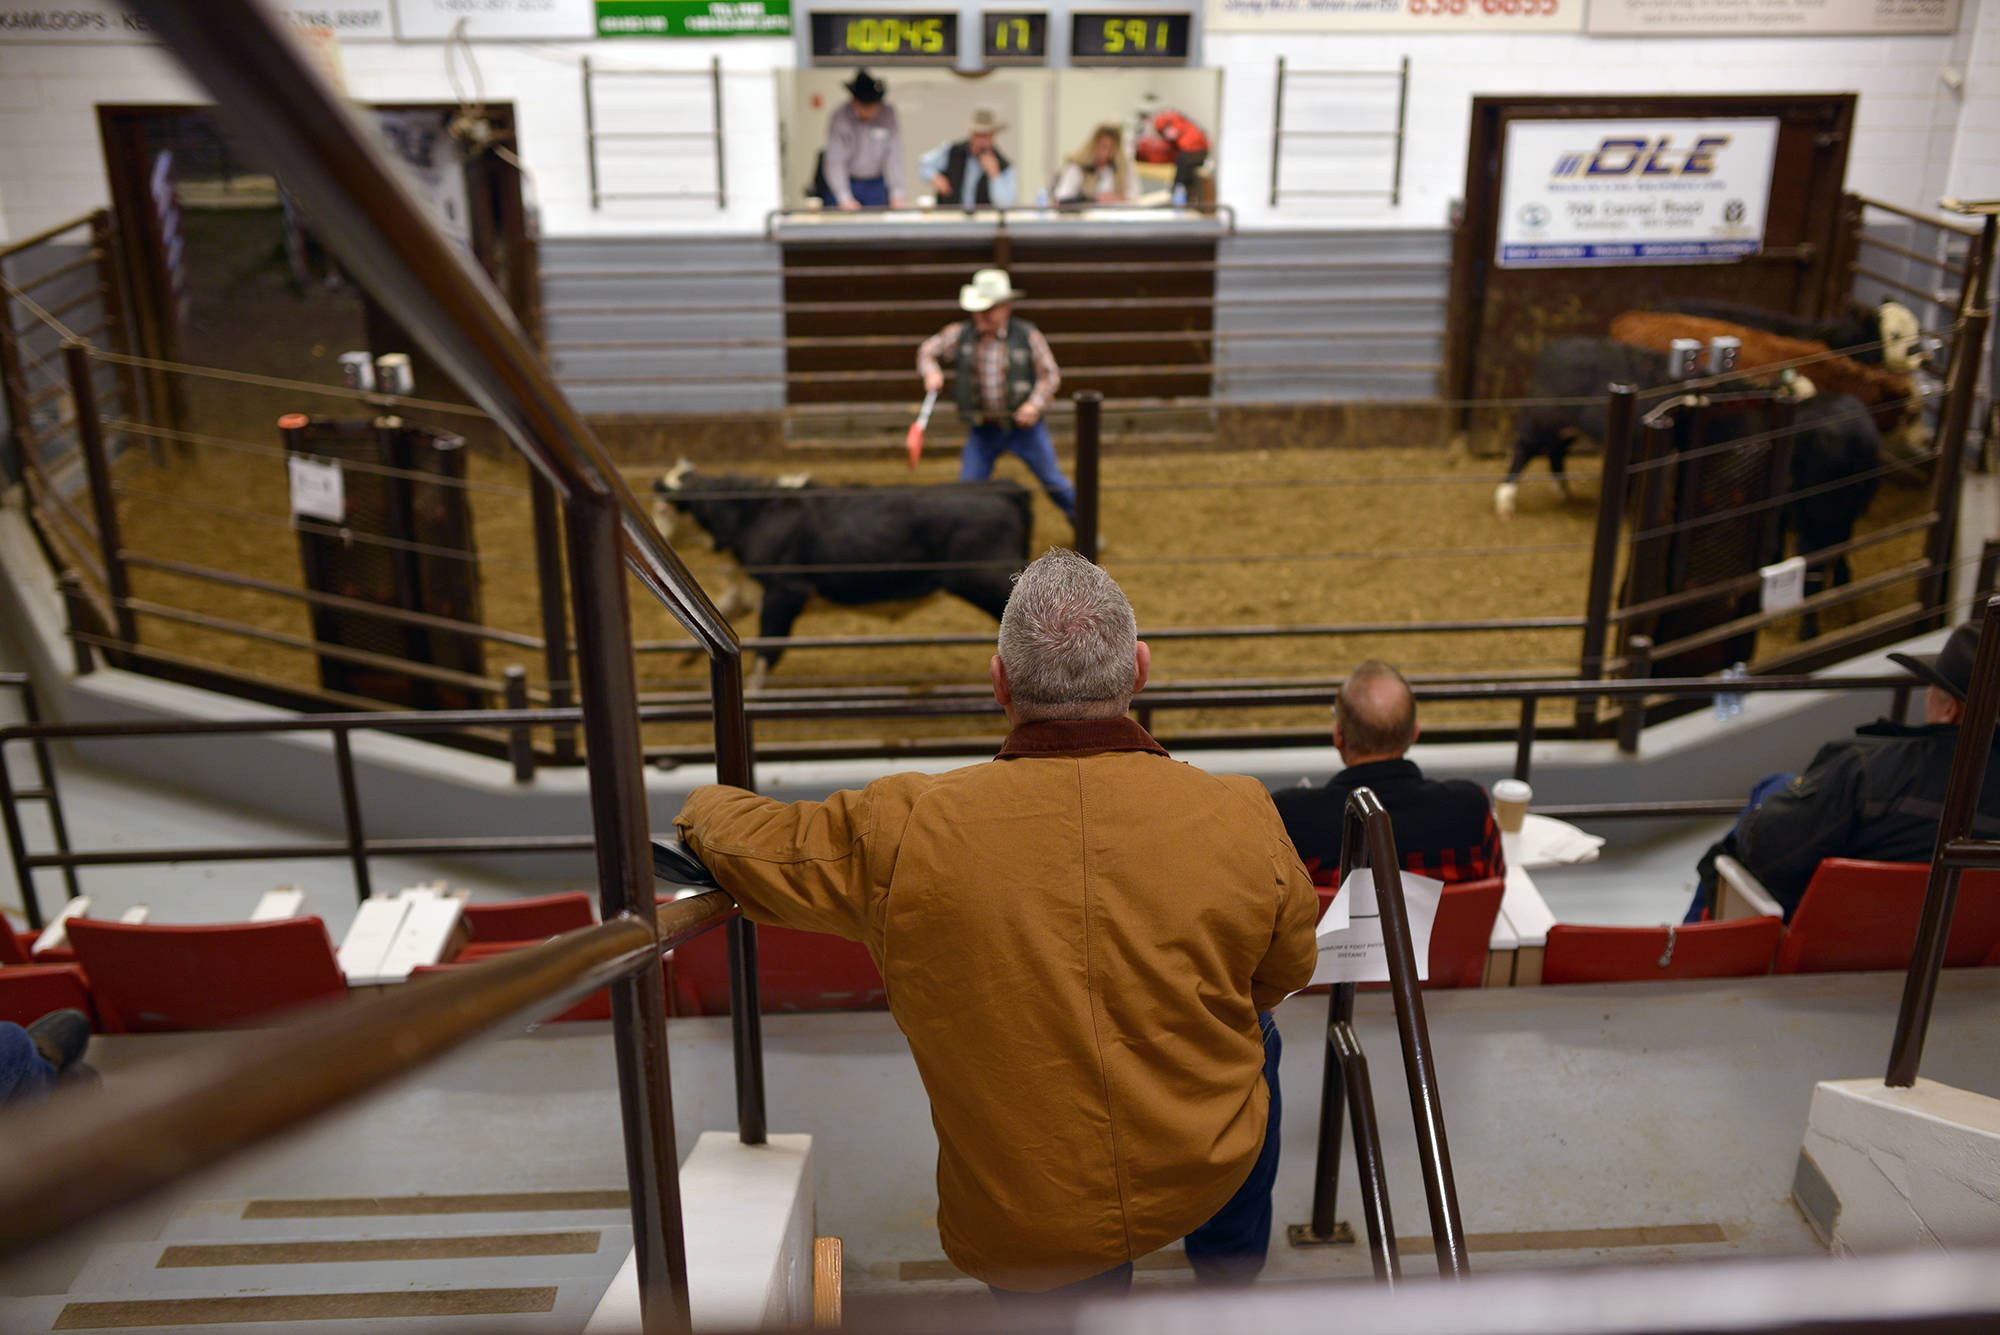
x,y
520,739
1326,1166
118,332
715,86
1961,803
590,138
76,611
104,505
734,765
350,814
1277,129
1632,712
1524,737
1402,128
1949,478
1373,1172
1089,408
618,817
17,847
555,619
1621,409
45,774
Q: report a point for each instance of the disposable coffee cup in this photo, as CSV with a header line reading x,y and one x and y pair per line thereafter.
x,y
1510,803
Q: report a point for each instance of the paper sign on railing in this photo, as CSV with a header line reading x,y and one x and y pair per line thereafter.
x,y
318,490
1784,584
1352,951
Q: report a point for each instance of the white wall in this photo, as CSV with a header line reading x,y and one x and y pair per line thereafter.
x,y
1916,137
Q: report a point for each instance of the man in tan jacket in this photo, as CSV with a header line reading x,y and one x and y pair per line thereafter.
x,y
1081,939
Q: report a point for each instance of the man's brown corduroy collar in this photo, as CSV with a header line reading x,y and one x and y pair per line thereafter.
x,y
1057,737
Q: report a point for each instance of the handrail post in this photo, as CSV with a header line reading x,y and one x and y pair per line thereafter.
x,y
1524,737
520,740
1961,803
104,505
77,617
616,762
1621,410
17,847
1632,711
45,774
1089,407
1277,127
735,765
555,618
350,813
1948,479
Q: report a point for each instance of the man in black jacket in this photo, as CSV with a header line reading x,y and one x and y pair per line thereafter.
x,y
1444,828
1876,795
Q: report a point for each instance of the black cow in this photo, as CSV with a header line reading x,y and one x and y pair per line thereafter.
x,y
1891,325
1837,438
855,545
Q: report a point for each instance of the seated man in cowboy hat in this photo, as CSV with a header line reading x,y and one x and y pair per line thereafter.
x,y
863,162
1006,378
970,172
1876,795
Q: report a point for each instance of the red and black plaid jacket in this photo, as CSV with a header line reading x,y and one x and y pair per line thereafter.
x,y
1444,827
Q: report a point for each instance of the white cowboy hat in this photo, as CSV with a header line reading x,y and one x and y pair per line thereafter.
x,y
988,288
985,122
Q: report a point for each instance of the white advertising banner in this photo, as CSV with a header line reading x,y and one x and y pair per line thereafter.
x,y
110,21
433,20
1393,15
1633,191
1757,18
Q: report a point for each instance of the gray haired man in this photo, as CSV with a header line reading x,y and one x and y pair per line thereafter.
x,y
1082,941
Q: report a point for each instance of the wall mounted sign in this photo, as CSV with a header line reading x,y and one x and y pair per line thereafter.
x,y
1761,18
694,18
904,37
1013,38
490,20
1398,15
1576,192
110,21
1129,39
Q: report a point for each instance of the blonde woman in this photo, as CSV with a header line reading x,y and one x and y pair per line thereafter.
x,y
1097,173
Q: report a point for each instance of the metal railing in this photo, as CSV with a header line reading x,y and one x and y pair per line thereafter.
x,y
295,122
42,790
1368,840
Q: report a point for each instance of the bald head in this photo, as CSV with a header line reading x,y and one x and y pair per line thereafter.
x,y
1374,716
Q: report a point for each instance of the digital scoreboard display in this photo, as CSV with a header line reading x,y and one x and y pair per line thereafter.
x,y
903,37
1129,39
1013,38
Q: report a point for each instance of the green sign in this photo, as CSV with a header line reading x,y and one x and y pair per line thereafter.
x,y
694,18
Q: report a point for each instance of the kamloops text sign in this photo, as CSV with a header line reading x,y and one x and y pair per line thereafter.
x,y
110,21
1633,191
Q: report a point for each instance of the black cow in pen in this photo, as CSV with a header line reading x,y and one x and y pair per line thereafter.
x,y
883,547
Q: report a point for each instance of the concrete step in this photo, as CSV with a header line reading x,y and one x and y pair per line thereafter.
x,y
396,1216
353,1263
559,1307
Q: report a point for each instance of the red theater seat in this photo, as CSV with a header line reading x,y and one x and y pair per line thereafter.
x,y
156,978
1740,948
528,919
1462,936
13,945
1863,915
796,971
30,991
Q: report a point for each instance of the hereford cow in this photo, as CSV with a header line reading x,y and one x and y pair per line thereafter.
x,y
1889,394
854,545
1886,335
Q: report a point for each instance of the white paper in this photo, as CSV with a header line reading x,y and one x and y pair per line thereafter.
x,y
56,935
136,915
318,491
1547,842
287,901
368,939
1356,953
425,932
1784,584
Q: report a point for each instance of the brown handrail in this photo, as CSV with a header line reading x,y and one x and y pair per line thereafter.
x,y
179,1114
13,248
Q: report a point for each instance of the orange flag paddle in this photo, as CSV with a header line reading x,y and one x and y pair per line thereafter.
x,y
916,437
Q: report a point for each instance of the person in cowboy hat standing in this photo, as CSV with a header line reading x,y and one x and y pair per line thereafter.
x,y
863,162
1875,795
970,172
1006,378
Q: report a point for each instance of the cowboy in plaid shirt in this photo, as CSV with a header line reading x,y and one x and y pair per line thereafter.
x,y
1444,828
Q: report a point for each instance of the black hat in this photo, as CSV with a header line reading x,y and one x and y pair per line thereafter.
x,y
866,88
1949,669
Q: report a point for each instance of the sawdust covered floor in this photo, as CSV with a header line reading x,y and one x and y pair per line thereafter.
x,y
1239,537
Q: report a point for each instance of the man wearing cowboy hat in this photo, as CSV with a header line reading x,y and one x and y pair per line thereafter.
x,y
1876,795
1005,379
863,162
970,172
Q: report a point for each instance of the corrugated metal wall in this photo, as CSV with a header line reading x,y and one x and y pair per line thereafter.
x,y
1364,309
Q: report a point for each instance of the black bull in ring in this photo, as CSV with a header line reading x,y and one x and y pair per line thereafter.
x,y
853,545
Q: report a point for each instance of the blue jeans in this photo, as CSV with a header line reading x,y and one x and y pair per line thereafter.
x,y
869,191
987,443
24,1072
1230,1247
1704,888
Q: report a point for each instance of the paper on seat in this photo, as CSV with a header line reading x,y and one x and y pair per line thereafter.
x,y
1353,951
